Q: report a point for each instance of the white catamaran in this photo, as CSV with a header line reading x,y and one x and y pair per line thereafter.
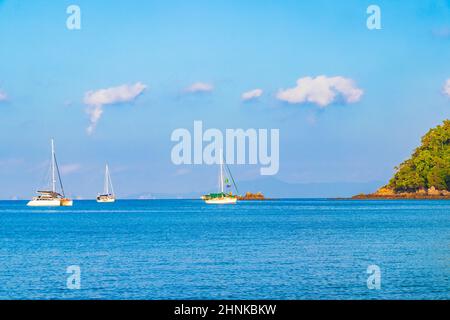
x,y
221,197
51,198
108,191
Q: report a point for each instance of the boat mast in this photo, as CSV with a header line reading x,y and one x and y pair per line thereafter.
x,y
106,185
110,182
53,167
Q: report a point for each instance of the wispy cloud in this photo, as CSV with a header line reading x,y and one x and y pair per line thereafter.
x,y
3,95
182,172
322,91
199,87
9,165
443,32
11,162
69,168
446,89
97,99
252,94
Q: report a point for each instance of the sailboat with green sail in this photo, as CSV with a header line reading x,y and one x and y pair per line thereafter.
x,y
222,197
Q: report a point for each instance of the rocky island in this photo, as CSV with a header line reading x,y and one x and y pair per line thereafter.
x,y
425,175
252,196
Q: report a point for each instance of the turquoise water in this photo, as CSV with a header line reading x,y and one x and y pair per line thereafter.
x,y
182,249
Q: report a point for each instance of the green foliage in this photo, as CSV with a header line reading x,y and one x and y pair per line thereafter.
x,y
429,165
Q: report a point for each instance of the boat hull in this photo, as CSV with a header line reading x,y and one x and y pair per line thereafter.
x,y
44,203
66,203
221,201
106,200
50,203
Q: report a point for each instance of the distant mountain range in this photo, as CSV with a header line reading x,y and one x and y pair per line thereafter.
x,y
274,188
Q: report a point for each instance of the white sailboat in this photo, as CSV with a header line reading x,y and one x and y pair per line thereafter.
x,y
51,198
108,191
221,197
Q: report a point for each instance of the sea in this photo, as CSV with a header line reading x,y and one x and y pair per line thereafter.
x,y
185,249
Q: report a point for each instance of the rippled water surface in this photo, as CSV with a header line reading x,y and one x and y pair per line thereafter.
x,y
182,249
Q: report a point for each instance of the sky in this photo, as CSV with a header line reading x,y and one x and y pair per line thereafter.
x,y
350,103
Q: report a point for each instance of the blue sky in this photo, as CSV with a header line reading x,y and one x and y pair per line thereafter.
x,y
235,46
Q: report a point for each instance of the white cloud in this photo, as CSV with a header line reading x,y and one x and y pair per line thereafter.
x,y
322,91
446,89
97,99
69,168
199,87
3,96
252,94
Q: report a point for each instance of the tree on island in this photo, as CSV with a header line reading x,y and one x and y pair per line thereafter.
x,y
429,166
